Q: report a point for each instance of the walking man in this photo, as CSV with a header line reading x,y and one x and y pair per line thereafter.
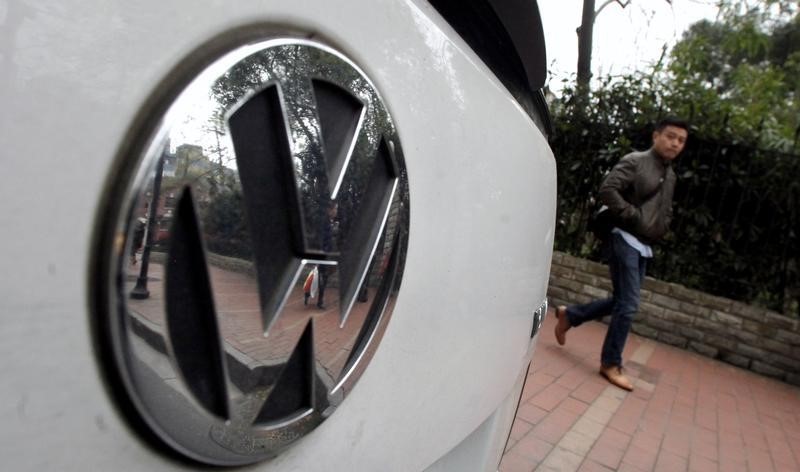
x,y
330,234
638,193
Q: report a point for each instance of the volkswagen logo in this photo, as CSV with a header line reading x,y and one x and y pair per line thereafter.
x,y
250,251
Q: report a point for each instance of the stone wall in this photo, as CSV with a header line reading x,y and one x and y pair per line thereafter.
x,y
746,336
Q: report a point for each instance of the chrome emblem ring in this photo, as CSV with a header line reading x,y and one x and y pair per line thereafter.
x,y
256,245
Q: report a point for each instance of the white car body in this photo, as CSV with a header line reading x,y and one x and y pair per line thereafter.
x,y
444,383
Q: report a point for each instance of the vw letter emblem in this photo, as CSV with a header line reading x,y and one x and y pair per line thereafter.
x,y
251,252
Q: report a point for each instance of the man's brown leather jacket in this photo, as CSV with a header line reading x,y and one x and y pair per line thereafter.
x,y
638,192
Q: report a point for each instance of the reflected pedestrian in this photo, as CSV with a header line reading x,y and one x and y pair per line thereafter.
x,y
138,238
638,193
330,232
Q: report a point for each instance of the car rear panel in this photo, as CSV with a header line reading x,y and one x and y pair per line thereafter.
x,y
74,77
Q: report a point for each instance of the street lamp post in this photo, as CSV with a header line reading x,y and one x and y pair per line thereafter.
x,y
140,291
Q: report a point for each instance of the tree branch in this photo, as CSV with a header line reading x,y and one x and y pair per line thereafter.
x,y
622,3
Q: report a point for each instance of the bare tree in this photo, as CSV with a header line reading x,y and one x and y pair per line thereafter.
x,y
585,32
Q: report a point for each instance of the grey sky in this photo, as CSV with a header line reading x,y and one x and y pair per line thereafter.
x,y
624,39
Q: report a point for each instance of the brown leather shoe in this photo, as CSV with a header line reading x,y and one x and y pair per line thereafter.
x,y
562,326
613,374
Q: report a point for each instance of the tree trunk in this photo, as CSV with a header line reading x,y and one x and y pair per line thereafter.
x,y
585,48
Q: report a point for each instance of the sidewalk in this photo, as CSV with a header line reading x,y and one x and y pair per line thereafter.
x,y
238,314
687,412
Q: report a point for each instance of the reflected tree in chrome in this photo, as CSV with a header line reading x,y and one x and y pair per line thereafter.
x,y
305,169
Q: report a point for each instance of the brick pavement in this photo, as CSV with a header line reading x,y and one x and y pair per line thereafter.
x,y
687,412
241,328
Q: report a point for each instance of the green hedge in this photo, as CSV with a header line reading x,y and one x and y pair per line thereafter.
x,y
736,226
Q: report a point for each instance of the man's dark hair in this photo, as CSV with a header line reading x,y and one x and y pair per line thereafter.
x,y
672,121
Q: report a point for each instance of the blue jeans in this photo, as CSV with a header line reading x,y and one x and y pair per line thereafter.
x,y
627,268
